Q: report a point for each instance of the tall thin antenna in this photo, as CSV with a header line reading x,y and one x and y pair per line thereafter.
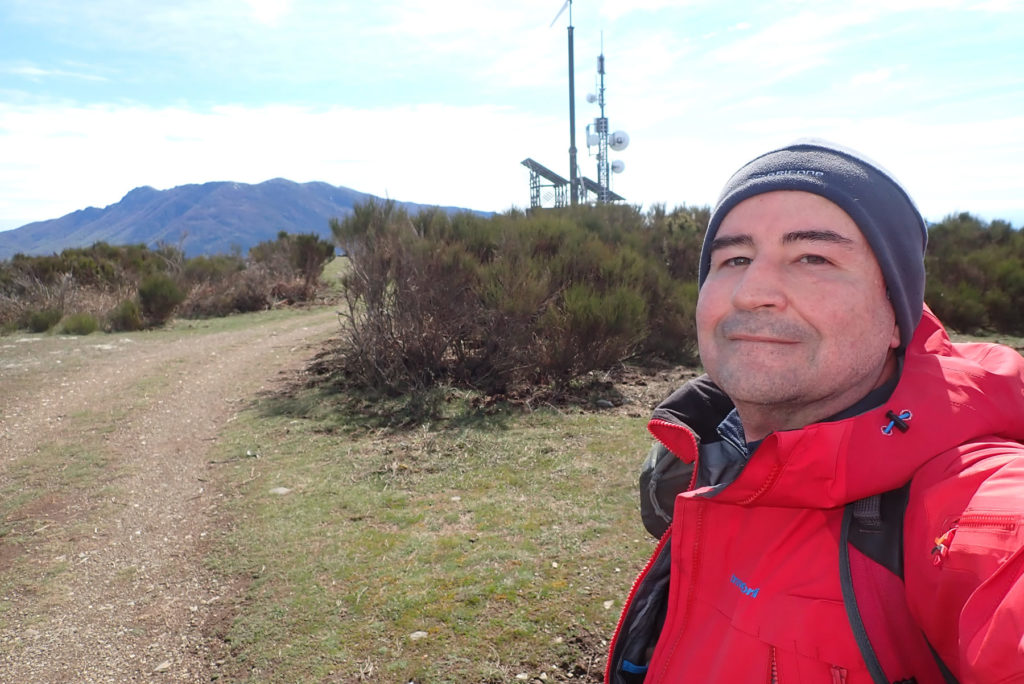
x,y
574,193
603,176
599,135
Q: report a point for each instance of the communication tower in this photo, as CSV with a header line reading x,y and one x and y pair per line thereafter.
x,y
570,191
599,137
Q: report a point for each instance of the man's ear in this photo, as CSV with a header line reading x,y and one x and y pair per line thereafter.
x,y
894,343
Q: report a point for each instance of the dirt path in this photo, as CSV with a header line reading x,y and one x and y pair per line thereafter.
x,y
102,576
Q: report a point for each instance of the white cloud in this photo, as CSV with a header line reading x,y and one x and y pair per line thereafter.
x,y
873,77
613,10
62,158
36,73
791,44
269,12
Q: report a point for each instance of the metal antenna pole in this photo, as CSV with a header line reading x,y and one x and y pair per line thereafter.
x,y
603,173
573,180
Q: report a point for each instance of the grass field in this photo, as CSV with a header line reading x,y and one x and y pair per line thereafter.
x,y
475,549
484,546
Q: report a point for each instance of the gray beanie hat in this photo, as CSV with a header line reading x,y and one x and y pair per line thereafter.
x,y
881,208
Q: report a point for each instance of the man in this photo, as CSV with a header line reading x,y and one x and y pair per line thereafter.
x,y
829,386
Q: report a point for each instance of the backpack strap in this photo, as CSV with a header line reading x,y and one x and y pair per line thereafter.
x,y
860,632
893,646
878,527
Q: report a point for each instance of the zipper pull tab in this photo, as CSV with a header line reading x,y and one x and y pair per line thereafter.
x,y
941,548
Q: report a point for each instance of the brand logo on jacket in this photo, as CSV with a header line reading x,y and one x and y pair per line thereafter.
x,y
747,591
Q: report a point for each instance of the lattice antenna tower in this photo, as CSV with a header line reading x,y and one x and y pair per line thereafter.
x,y
598,136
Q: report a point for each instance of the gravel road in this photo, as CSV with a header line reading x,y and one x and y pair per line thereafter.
x,y
102,576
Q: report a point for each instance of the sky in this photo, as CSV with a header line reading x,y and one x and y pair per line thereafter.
x,y
439,102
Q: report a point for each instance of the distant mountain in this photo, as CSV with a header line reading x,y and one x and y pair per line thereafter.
x,y
212,218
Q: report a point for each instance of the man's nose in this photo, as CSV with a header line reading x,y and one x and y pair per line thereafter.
x,y
760,286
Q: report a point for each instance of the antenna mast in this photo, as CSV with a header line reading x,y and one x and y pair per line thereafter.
x,y
574,185
574,192
599,135
603,174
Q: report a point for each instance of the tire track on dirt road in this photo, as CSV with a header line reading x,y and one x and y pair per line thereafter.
x,y
102,578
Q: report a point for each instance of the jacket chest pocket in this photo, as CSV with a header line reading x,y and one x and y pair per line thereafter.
x,y
979,542
789,668
808,639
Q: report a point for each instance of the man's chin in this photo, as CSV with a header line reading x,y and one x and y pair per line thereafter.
x,y
766,391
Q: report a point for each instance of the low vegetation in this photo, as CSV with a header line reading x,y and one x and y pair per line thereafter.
x,y
132,287
976,275
82,323
510,303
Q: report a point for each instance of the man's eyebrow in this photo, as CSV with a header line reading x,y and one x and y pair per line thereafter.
x,y
816,236
732,241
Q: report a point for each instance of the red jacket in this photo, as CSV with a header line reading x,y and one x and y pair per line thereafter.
x,y
754,590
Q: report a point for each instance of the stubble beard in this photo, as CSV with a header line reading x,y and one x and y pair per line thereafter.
x,y
738,370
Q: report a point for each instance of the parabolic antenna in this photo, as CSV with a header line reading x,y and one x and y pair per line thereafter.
x,y
618,141
618,166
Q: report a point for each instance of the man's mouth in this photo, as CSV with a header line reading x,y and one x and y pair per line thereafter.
x,y
766,339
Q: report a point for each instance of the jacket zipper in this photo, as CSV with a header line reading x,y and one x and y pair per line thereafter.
x,y
654,423
629,601
773,667
1006,522
838,673
990,521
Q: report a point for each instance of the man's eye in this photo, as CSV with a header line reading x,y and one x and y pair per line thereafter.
x,y
813,259
736,261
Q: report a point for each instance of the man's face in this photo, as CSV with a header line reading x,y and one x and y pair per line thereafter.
x,y
793,322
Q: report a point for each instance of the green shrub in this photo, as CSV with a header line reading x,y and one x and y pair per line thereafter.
x,y
513,301
960,308
975,274
158,297
82,323
126,316
43,321
211,269
589,330
248,290
299,257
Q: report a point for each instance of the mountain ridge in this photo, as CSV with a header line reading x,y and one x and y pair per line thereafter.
x,y
216,217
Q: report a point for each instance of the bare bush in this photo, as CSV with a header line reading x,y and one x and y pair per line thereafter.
x,y
247,290
502,304
408,303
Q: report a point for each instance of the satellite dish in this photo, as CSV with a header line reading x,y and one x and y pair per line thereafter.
x,y
618,141
618,166
591,98
593,139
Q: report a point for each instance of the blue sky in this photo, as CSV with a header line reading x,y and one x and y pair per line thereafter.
x,y
438,102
